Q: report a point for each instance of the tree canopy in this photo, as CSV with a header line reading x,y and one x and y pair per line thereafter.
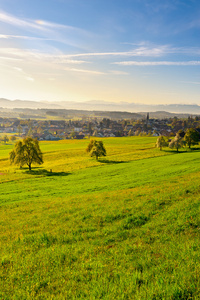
x,y
177,142
191,137
26,152
161,142
12,138
5,139
96,148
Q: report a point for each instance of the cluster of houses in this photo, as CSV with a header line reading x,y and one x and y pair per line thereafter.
x,y
79,129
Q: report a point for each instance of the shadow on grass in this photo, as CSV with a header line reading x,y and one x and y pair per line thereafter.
x,y
175,151
106,161
187,150
195,149
44,172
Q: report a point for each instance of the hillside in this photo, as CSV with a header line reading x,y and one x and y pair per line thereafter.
x,y
63,114
124,227
100,105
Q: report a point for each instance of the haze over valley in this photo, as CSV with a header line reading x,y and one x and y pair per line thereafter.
x,y
95,105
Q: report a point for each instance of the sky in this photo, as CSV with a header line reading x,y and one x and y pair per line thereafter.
x,y
141,51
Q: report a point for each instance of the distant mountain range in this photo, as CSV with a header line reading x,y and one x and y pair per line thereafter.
x,y
102,105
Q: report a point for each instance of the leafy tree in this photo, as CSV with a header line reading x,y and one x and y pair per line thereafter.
x,y
95,133
181,133
40,130
96,148
155,133
191,137
5,139
12,138
26,152
19,129
130,133
177,142
174,122
142,133
30,132
137,132
73,134
149,133
17,154
161,142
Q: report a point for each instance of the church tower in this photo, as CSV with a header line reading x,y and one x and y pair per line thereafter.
x,y
147,118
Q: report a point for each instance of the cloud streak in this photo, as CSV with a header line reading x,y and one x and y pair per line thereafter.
x,y
35,24
65,34
30,79
158,63
116,72
192,82
28,55
157,51
9,19
85,71
141,51
23,37
95,72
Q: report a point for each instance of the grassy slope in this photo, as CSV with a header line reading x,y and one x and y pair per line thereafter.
x,y
123,228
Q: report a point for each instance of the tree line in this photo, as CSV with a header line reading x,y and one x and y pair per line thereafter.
x,y
190,138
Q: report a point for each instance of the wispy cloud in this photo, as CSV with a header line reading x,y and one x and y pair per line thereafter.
x,y
35,24
60,59
69,58
10,58
194,24
158,63
24,74
10,19
95,72
85,71
116,72
148,51
18,69
30,79
18,54
23,37
36,56
191,82
73,58
45,24
141,51
45,30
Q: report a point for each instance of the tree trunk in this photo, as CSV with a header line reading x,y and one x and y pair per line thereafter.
x,y
29,166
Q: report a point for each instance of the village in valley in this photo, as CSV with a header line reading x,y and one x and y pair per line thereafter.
x,y
86,126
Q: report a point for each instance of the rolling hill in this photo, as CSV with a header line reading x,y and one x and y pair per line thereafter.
x,y
124,227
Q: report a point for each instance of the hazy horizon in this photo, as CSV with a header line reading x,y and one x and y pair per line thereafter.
x,y
101,102
97,105
144,52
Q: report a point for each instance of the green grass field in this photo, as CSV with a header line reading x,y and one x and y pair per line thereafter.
x,y
124,227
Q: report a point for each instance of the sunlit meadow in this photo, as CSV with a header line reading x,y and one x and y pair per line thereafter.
x,y
124,227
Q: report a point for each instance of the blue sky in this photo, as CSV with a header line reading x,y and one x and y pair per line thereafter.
x,y
144,51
